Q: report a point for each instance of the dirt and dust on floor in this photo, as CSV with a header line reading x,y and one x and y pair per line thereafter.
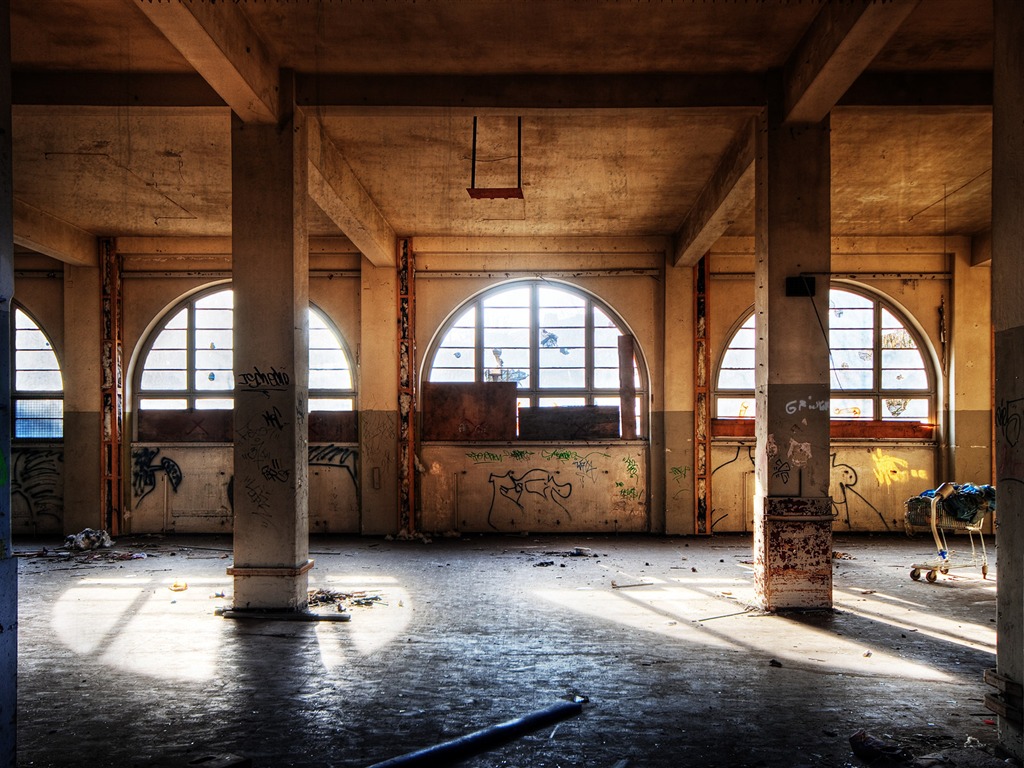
x,y
124,658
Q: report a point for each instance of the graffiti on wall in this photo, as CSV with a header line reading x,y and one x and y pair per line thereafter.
x,y
145,468
511,487
844,478
37,484
337,456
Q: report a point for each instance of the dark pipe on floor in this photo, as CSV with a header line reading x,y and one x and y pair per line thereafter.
x,y
450,752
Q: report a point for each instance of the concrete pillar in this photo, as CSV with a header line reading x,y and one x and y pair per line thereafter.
x,y
378,399
82,398
1008,322
270,267
793,511
8,563
970,365
677,377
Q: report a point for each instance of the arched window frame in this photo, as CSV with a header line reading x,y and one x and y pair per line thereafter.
x,y
37,411
877,394
320,398
534,395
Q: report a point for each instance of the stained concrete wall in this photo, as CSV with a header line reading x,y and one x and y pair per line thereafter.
x,y
517,487
37,489
37,469
189,488
655,302
869,483
932,282
625,274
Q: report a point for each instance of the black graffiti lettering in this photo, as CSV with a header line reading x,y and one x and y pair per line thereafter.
x,y
37,482
335,456
539,482
274,471
273,379
145,467
273,418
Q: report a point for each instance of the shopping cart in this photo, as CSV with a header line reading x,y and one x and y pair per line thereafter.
x,y
951,507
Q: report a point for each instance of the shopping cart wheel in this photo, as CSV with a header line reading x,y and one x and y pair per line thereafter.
x,y
915,573
931,576
984,571
944,570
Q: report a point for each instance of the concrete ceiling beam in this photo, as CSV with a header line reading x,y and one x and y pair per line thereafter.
x,y
53,237
221,45
520,94
114,89
840,43
927,90
335,188
726,195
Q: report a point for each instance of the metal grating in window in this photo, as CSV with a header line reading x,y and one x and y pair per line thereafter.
x,y
38,386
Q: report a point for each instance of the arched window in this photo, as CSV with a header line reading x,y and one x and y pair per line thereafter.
x,y
38,391
187,363
560,346
878,371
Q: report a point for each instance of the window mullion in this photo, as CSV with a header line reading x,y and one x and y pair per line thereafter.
x,y
534,344
478,340
876,374
190,356
588,351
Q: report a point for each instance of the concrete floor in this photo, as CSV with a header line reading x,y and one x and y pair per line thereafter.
x,y
117,669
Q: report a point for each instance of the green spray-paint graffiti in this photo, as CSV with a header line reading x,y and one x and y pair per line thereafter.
x,y
490,457
631,466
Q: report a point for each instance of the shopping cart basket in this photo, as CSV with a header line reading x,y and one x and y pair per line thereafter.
x,y
951,507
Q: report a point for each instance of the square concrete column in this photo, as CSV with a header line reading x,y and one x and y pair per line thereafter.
x,y
793,511
678,408
270,270
378,399
83,401
1008,321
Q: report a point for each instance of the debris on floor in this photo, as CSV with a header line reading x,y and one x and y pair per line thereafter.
x,y
87,539
574,552
360,598
841,555
616,585
872,749
178,586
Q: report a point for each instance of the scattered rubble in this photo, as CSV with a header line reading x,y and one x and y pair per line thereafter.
x,y
87,539
361,599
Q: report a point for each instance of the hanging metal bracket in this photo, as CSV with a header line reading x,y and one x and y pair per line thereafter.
x,y
498,193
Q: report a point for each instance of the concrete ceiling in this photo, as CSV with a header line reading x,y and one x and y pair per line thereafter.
x,y
630,111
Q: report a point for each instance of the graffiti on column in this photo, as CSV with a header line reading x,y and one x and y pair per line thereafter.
x,y
145,469
679,475
264,381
